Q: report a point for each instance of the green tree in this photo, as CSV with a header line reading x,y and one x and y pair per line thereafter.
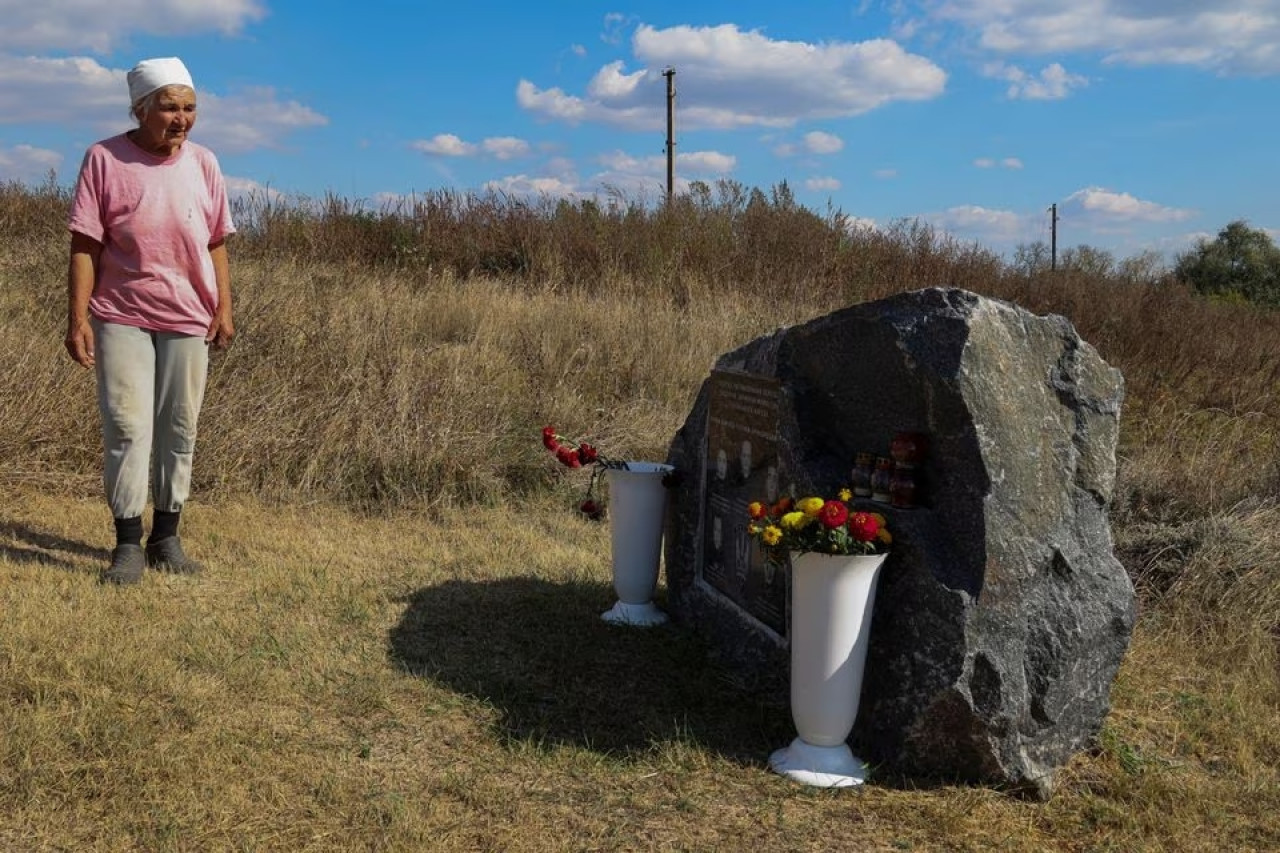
x,y
1241,262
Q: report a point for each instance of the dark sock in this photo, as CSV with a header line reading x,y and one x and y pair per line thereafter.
x,y
164,525
129,531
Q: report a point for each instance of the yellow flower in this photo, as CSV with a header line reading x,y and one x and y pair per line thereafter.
x,y
753,529
772,535
884,536
845,495
795,520
811,506
879,519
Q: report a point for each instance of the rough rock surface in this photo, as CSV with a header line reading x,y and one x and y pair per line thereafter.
x,y
1002,614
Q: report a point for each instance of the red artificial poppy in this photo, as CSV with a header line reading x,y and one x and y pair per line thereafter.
x,y
863,526
587,454
592,510
569,456
833,514
549,438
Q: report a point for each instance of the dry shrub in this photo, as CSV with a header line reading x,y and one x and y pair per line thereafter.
x,y
402,360
409,354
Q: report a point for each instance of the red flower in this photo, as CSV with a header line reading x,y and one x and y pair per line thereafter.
x,y
569,456
833,514
587,454
782,507
592,510
549,438
863,526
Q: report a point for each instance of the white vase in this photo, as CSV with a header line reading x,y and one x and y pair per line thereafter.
x,y
832,598
637,511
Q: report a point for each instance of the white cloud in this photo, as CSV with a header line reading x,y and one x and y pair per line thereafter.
x,y
505,147
1087,214
785,149
33,89
820,142
74,25
1225,35
885,174
623,175
860,224
699,162
79,91
1052,83
247,188
822,184
524,185
1103,205
706,162
27,164
614,31
623,162
611,83
730,78
445,145
251,118
991,163
977,222
577,50
450,145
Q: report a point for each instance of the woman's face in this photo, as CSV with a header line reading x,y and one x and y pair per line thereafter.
x,y
172,115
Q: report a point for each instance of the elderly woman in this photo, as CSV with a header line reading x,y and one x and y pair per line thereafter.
x,y
149,291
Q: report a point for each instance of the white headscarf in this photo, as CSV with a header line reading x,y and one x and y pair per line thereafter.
x,y
151,74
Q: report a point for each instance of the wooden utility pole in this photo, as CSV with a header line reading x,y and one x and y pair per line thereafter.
x,y
1053,237
670,74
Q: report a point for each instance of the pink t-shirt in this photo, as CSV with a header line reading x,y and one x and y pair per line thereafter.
x,y
155,218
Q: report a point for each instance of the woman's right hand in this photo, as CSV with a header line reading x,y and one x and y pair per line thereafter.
x,y
79,342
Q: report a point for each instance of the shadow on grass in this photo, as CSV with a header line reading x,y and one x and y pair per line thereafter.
x,y
46,548
539,653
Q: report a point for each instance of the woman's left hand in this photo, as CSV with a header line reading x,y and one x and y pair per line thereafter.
x,y
221,330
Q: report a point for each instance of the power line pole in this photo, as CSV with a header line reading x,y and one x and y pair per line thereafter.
x,y
1053,237
670,74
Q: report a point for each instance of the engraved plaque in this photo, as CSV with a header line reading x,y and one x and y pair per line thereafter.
x,y
742,466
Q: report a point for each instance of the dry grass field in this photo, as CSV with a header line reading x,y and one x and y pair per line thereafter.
x,y
397,643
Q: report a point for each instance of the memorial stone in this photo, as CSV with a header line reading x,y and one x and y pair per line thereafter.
x,y
1002,613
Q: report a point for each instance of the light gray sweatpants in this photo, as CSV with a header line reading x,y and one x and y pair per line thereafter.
x,y
150,386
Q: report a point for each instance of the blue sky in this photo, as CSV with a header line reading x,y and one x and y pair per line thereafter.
x,y
1150,123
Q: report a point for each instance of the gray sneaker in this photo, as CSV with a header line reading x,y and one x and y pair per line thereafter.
x,y
127,563
167,556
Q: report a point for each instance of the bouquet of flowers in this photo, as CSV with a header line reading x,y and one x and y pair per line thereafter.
x,y
575,454
816,524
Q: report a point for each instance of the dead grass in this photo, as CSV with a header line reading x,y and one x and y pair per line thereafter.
x,y
397,647
340,682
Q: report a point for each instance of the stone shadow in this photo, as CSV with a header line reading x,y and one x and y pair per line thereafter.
x,y
539,653
42,548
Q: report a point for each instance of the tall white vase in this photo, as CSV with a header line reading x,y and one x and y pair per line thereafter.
x,y
637,511
832,598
